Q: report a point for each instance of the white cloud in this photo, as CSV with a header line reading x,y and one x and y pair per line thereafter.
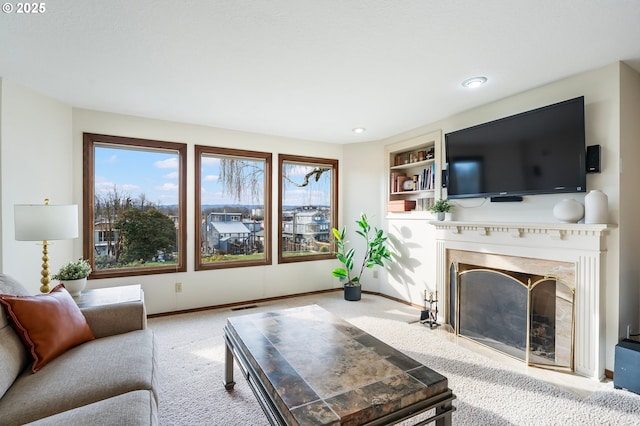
x,y
172,175
130,188
210,161
210,178
104,187
169,163
303,197
168,186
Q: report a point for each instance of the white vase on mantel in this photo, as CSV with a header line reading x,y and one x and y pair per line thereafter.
x,y
568,211
596,207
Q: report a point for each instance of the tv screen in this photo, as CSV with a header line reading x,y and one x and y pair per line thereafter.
x,y
536,152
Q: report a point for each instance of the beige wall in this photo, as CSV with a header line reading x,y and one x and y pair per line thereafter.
x,y
35,155
362,193
604,89
41,156
2,225
629,293
207,288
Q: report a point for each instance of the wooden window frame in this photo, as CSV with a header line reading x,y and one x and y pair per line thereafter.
x,y
90,140
285,158
237,153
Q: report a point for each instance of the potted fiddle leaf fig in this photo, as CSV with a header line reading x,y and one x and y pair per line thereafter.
x,y
74,276
375,253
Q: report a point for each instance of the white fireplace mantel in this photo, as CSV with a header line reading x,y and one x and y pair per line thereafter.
x,y
581,244
561,235
555,231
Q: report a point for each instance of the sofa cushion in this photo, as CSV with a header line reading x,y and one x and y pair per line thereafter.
x,y
8,285
48,324
94,371
13,356
132,409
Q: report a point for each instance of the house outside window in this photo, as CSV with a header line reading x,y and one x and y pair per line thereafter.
x,y
232,208
307,206
134,206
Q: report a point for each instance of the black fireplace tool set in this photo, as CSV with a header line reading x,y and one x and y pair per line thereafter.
x,y
429,316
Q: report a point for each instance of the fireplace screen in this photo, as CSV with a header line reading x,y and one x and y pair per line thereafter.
x,y
510,312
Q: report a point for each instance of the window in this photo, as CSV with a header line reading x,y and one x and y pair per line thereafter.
x,y
134,206
233,224
307,207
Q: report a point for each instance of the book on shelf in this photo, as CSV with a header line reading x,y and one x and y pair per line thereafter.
x,y
423,204
425,180
397,179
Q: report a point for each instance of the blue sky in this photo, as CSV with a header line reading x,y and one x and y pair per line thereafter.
x,y
155,174
134,172
211,191
315,193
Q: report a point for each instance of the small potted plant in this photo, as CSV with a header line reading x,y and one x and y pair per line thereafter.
x,y
74,276
440,207
376,252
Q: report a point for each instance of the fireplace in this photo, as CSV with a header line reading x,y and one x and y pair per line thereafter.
x,y
532,291
527,316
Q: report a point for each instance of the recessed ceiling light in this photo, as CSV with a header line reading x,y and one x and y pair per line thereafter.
x,y
358,130
474,82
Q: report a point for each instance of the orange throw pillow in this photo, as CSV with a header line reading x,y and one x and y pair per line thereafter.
x,y
48,324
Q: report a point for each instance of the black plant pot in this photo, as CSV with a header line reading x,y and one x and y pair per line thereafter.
x,y
352,293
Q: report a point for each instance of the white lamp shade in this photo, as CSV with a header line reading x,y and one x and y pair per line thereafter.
x,y
40,222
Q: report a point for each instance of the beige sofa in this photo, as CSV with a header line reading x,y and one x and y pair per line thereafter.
x,y
111,380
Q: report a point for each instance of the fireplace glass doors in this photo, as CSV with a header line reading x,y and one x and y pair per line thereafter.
x,y
526,316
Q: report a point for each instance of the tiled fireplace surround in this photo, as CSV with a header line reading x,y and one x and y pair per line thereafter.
x,y
533,249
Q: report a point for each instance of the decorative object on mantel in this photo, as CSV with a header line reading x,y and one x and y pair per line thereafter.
x,y
568,211
596,207
376,252
441,207
74,276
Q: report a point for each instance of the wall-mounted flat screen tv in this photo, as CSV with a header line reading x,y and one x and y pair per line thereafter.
x,y
536,152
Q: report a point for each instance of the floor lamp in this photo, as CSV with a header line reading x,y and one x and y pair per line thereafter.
x,y
45,222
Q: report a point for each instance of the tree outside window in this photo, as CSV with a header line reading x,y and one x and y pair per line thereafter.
x,y
307,207
232,208
134,205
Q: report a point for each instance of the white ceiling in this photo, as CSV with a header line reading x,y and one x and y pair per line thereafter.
x,y
310,69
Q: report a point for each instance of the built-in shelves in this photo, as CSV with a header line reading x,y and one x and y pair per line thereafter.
x,y
425,191
414,173
423,163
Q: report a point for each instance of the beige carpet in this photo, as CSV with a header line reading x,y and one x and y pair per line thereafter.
x,y
488,392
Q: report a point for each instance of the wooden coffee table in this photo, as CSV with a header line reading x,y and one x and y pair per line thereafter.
x,y
309,367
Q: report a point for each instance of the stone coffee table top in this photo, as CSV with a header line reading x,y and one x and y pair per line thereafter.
x,y
320,369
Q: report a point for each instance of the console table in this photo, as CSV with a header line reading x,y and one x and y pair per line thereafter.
x,y
109,296
121,302
307,366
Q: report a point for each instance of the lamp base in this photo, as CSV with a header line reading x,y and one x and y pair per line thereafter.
x,y
45,280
